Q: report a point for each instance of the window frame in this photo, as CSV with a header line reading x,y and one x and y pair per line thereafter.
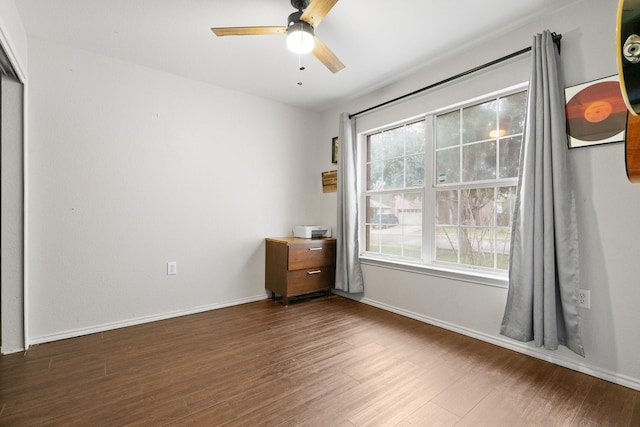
x,y
427,265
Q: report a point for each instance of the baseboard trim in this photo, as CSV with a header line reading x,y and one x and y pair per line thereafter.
x,y
585,368
140,320
11,351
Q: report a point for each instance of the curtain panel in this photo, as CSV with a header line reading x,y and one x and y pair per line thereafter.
x,y
542,302
348,270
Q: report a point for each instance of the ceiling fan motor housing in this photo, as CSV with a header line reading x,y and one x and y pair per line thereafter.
x,y
294,23
300,4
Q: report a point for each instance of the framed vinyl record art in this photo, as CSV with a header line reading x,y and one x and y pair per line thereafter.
x,y
596,113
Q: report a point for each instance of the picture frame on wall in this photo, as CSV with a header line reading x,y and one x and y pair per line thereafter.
x,y
596,113
334,149
330,181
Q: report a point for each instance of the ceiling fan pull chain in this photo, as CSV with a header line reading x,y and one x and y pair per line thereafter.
x,y
301,66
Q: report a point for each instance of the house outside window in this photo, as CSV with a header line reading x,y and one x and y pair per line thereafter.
x,y
441,190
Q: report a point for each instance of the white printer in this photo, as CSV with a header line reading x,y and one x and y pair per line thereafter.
x,y
311,231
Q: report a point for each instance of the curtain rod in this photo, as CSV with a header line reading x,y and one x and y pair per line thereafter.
x,y
555,37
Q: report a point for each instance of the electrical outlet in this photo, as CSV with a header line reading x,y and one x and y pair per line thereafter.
x,y
584,298
172,268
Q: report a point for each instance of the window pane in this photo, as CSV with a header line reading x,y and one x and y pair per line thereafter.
x,y
479,121
409,208
385,145
448,130
394,143
415,171
503,247
384,241
410,215
381,210
479,161
447,207
395,158
415,138
505,205
477,207
375,147
477,246
375,180
372,242
512,113
394,224
448,166
510,156
447,244
393,174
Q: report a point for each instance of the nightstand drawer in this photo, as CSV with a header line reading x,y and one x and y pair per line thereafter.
x,y
311,280
309,254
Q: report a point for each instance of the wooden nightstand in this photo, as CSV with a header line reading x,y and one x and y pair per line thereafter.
x,y
299,266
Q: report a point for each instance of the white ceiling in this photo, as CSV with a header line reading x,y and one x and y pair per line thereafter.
x,y
378,40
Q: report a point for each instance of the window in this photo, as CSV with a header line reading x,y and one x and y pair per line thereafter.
x,y
395,160
462,217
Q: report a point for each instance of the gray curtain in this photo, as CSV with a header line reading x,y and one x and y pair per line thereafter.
x,y
542,303
348,271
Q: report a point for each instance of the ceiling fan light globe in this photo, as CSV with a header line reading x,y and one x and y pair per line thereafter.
x,y
300,42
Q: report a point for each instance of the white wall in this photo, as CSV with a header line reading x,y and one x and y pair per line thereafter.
x,y
608,204
130,168
13,40
11,135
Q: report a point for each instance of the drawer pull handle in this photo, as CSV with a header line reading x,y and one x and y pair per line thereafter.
x,y
315,249
314,272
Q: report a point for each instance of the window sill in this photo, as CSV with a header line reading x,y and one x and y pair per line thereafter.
x,y
471,276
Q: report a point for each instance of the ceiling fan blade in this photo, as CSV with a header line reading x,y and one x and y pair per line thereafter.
x,y
316,11
248,31
328,58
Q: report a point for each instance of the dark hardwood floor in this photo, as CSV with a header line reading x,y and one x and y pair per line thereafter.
x,y
327,362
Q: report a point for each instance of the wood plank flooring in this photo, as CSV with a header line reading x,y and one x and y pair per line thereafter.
x,y
326,362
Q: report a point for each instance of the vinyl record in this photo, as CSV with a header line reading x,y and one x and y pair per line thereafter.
x,y
596,112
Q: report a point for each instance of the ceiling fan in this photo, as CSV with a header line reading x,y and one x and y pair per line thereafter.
x,y
299,30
